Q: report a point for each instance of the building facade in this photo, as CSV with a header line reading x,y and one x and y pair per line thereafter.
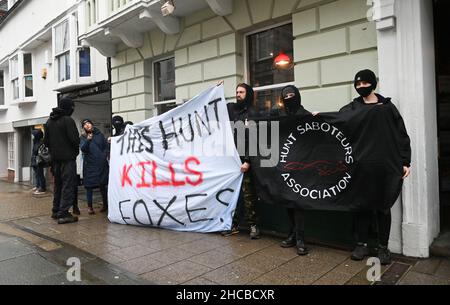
x,y
159,62
41,60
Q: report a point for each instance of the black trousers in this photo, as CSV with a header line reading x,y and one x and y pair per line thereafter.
x,y
379,220
65,173
297,222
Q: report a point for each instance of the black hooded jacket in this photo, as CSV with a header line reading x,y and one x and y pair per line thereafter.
x,y
405,142
38,140
294,106
243,112
61,136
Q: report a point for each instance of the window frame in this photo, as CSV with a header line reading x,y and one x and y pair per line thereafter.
x,y
64,54
2,89
24,76
156,102
247,58
11,151
79,50
14,77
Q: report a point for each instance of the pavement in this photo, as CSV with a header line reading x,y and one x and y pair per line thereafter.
x,y
34,250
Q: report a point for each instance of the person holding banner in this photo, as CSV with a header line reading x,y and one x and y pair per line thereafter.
x,y
365,84
95,165
243,111
291,99
118,125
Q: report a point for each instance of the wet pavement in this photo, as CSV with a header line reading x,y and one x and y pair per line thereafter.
x,y
117,254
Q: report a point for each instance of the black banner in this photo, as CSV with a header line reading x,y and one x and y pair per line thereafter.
x,y
335,161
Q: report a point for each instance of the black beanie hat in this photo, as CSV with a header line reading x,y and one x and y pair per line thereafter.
x,y
66,104
367,76
86,121
117,119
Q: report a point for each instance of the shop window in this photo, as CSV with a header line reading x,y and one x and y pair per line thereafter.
x,y
165,85
266,79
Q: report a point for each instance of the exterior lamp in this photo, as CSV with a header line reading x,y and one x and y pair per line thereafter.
x,y
283,61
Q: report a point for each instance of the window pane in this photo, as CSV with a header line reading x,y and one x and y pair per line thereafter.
x,y
27,64
2,81
263,48
64,67
85,62
28,86
15,84
165,80
268,102
66,36
11,150
61,68
2,96
14,68
62,37
67,56
165,107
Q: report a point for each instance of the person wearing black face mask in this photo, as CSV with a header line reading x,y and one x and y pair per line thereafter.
x,y
63,140
365,84
118,125
292,104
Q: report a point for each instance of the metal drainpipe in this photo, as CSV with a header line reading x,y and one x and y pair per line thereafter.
x,y
108,60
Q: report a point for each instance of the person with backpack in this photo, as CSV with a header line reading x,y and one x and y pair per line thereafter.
x,y
37,163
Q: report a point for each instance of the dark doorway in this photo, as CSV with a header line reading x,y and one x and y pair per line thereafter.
x,y
442,32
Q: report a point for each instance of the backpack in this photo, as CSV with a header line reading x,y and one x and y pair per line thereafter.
x,y
43,156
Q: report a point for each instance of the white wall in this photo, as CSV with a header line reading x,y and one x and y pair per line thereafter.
x,y
407,73
27,20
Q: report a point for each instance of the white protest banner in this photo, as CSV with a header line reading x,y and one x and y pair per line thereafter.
x,y
179,170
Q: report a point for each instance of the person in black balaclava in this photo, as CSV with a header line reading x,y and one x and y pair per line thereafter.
x,y
118,125
292,103
63,140
365,84
243,111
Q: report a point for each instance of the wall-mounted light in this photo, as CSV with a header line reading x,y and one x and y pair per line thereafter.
x,y
283,61
168,8
44,73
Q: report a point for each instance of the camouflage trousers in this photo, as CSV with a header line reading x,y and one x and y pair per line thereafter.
x,y
249,202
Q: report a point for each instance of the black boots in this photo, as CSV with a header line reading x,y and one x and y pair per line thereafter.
x,y
293,241
384,255
360,252
301,248
67,219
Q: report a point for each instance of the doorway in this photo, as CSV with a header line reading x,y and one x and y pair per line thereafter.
x,y
442,32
